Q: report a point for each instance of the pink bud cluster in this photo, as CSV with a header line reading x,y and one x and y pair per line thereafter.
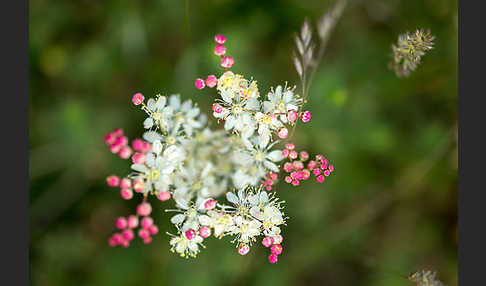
x,y
118,143
220,51
269,181
298,171
127,226
115,139
226,62
275,247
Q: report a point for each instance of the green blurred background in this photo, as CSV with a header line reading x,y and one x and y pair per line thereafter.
x,y
388,210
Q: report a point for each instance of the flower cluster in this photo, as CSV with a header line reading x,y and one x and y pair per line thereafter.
x,y
128,224
181,159
250,213
297,170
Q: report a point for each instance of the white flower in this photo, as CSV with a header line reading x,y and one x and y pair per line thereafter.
x,y
184,246
159,115
281,102
267,123
236,112
221,223
260,155
157,168
245,229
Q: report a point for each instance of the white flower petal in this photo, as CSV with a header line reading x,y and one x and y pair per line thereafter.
x,y
275,155
148,123
151,104
271,166
230,122
178,218
161,102
139,167
157,147
232,198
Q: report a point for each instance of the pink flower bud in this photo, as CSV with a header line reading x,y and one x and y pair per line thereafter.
x,y
285,153
128,234
304,155
147,240
331,168
125,183
211,81
295,183
125,243
137,144
144,209
306,174
305,116
327,173
267,241
300,175
220,50
137,98
153,229
288,179
110,138
316,172
147,222
298,165
190,234
293,154
115,148
278,239
118,132
138,158
272,258
217,108
320,178
290,146
132,221
126,194
138,185
243,249
113,181
204,231
125,152
143,233
319,157
227,62
283,133
210,204
288,167
268,188
117,238
122,140
121,222
273,176
276,249
220,39
312,165
199,83
292,116
146,147
112,242
163,196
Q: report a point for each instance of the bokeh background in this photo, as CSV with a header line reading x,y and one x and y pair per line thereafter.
x,y
388,210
